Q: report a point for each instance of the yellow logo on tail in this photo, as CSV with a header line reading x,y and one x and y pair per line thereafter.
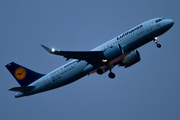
x,y
20,73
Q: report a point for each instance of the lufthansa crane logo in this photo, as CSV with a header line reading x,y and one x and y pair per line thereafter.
x,y
20,73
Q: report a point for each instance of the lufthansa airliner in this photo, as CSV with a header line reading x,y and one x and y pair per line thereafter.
x,y
120,50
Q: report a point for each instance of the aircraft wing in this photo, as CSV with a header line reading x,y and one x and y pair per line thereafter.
x,y
93,57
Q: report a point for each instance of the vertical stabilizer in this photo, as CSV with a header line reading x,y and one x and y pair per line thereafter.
x,y
24,76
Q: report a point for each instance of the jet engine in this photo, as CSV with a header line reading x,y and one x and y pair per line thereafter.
x,y
130,59
113,52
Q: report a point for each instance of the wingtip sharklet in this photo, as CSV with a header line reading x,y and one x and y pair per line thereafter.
x,y
46,48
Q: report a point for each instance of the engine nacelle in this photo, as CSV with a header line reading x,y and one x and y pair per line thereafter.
x,y
131,59
113,52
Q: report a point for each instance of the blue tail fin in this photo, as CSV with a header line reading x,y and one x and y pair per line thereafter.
x,y
23,75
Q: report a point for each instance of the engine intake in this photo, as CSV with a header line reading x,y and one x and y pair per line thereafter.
x,y
131,59
113,52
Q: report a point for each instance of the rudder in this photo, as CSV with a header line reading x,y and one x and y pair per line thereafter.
x,y
24,76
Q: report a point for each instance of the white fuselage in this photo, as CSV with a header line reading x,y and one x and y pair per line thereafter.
x,y
74,70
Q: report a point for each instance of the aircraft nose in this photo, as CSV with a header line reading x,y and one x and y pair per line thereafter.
x,y
170,22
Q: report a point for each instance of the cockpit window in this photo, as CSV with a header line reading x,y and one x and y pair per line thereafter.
x,y
158,20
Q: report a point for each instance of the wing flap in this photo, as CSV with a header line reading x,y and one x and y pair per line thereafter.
x,y
21,89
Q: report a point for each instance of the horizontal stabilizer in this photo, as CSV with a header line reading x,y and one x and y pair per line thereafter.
x,y
21,89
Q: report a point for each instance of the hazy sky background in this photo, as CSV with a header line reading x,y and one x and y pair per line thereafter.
x,y
149,90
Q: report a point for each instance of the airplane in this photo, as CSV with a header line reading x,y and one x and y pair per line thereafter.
x,y
120,51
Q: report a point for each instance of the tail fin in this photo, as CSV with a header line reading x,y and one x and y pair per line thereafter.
x,y
24,76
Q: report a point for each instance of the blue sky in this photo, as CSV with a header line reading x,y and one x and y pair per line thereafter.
x,y
148,90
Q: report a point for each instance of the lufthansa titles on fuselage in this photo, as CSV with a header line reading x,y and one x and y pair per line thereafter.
x,y
129,32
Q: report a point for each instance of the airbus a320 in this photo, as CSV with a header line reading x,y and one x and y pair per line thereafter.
x,y
120,51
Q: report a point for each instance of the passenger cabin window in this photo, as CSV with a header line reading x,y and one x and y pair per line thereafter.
x,y
158,20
